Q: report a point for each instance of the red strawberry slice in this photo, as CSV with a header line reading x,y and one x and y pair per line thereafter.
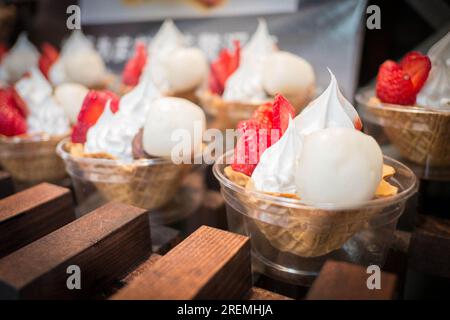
x,y
394,85
223,67
133,69
48,57
417,66
11,121
3,50
92,108
264,115
11,98
282,109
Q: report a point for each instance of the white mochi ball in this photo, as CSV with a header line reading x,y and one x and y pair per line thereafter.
x,y
287,74
173,123
70,96
85,67
186,69
339,166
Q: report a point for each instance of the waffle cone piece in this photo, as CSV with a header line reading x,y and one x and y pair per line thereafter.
x,y
227,114
32,161
308,231
421,136
139,184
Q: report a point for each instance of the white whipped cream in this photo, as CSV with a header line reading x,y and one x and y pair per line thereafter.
x,y
329,110
19,59
45,116
246,83
114,133
436,91
79,62
173,67
275,171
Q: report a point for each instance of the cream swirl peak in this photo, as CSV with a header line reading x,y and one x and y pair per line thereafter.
x,y
174,67
114,133
246,83
436,91
329,110
46,116
20,58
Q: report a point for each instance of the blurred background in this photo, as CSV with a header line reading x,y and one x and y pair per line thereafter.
x,y
328,33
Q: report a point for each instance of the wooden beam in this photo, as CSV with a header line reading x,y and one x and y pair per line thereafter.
x,y
345,281
209,264
105,244
6,185
33,213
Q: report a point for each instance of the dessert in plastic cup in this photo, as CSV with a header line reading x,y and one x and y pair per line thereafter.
x,y
33,121
241,80
411,105
174,68
316,188
124,153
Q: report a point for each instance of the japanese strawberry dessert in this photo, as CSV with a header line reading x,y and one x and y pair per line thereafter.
x,y
172,67
16,61
306,186
32,122
412,104
120,150
242,79
78,63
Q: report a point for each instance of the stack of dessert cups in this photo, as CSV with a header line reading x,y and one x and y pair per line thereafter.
x,y
241,80
302,204
415,125
40,99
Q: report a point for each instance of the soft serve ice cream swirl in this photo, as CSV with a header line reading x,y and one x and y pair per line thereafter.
x,y
246,83
436,91
45,116
275,171
113,133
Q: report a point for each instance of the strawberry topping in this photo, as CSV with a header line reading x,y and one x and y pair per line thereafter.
x,y
10,97
399,83
133,69
92,108
12,123
224,66
48,57
267,125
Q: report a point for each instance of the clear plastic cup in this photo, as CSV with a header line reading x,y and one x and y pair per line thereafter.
x,y
145,183
291,240
415,135
32,159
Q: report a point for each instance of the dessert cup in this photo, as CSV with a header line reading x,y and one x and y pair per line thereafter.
x,y
227,114
419,134
32,159
291,239
145,183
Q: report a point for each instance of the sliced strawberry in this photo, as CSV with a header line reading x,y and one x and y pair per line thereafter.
x,y
394,85
48,57
11,98
92,108
133,69
417,66
264,115
223,67
3,50
11,121
282,109
246,125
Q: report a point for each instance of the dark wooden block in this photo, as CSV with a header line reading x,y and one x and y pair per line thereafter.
x,y
6,184
104,244
345,281
209,264
33,213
